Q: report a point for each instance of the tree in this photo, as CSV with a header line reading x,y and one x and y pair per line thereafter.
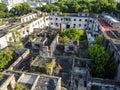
x,y
110,69
3,7
21,9
2,14
74,6
99,58
73,34
99,40
65,40
5,58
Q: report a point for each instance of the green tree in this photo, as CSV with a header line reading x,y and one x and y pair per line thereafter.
x,y
99,40
73,33
99,58
110,69
3,7
65,40
5,58
2,14
20,9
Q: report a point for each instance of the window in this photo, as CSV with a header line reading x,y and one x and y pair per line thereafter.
x,y
51,23
27,30
61,19
85,19
56,18
85,25
69,19
10,39
26,19
79,25
80,20
23,32
51,18
66,19
90,20
85,14
56,24
74,25
74,19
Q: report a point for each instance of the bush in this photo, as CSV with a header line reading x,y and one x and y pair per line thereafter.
x,y
20,86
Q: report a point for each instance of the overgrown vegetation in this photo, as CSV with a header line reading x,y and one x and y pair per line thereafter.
x,y
20,86
5,58
20,9
101,65
1,76
71,34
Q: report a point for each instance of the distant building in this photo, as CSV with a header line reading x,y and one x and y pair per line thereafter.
x,y
36,3
12,3
117,0
51,1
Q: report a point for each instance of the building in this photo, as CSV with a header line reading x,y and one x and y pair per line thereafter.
x,y
111,39
51,1
23,27
111,21
117,0
76,20
8,81
31,81
12,3
36,3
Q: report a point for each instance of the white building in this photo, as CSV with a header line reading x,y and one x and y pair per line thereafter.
x,y
25,26
51,1
3,41
79,21
117,0
36,3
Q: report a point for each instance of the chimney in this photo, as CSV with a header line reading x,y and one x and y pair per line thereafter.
x,y
61,28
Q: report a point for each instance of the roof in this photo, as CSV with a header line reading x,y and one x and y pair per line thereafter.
x,y
41,61
105,25
111,18
46,83
28,79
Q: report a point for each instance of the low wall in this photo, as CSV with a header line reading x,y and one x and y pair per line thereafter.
x,y
22,57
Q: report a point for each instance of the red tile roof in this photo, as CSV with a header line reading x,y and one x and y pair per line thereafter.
x,y
105,25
